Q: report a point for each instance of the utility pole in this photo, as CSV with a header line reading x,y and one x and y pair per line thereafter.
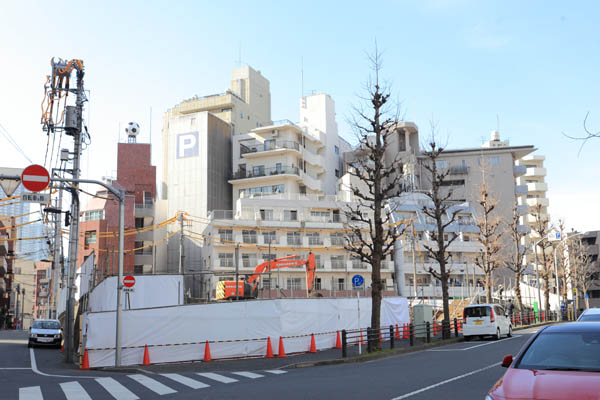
x,y
414,261
181,248
22,306
75,131
18,289
537,274
57,273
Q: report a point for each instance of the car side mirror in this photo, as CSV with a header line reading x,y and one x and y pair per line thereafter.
x,y
507,360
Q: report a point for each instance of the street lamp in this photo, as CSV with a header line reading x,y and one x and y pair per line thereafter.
x,y
556,264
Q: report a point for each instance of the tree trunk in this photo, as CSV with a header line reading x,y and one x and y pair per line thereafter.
x,y
376,294
488,287
546,296
518,290
445,300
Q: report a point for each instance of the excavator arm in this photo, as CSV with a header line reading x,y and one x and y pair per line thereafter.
x,y
286,262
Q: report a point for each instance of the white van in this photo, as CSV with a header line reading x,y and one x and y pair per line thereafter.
x,y
486,320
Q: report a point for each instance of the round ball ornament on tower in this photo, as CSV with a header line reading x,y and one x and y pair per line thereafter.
x,y
132,129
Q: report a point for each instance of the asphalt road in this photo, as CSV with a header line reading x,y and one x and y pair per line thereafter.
x,y
463,370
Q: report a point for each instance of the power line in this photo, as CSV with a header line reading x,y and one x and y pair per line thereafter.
x,y
10,139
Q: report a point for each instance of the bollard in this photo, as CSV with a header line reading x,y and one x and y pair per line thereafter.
x,y
344,344
455,328
428,330
411,334
391,336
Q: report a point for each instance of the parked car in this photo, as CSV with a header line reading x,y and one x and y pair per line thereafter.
x,y
558,362
45,332
486,320
591,314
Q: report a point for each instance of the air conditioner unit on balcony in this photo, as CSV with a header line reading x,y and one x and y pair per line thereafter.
x,y
275,133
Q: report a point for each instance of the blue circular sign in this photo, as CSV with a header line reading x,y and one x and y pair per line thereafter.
x,y
357,281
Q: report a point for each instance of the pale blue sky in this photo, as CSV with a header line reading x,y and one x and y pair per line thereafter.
x,y
535,64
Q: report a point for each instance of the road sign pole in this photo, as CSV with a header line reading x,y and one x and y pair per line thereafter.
x,y
120,279
358,307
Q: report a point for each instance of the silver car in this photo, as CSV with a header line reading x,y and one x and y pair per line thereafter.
x,y
591,314
45,332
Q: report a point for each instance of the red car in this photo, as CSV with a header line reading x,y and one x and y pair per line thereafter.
x,y
558,362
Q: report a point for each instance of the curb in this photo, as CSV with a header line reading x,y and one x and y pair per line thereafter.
x,y
374,356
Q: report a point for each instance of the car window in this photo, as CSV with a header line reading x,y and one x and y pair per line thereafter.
x,y
589,317
46,325
477,312
563,351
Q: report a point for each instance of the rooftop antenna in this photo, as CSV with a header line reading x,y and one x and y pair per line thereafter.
x,y
497,122
302,75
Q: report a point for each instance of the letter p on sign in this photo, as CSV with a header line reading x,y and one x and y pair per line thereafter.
x,y
187,145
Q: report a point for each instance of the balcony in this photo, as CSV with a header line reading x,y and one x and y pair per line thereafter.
x,y
311,182
220,214
294,241
144,210
250,150
458,170
265,172
519,170
538,200
521,189
338,264
536,171
143,257
315,241
313,159
522,209
537,187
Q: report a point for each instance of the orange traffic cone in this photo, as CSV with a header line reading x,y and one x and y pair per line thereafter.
x,y
281,351
269,348
313,346
362,342
397,335
380,337
146,360
338,341
207,353
405,331
85,364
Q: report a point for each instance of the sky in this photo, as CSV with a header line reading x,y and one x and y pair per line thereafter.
x,y
529,69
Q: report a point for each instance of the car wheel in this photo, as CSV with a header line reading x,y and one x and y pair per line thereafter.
x,y
509,331
498,336
29,345
467,338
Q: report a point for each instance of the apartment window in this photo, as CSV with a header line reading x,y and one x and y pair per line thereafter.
x,y
249,236
358,264
489,160
269,144
266,282
336,149
266,215
294,283
269,237
90,237
249,260
338,262
93,215
225,235
258,170
293,238
139,223
279,168
337,173
314,239
267,256
455,182
341,284
290,215
241,115
337,239
17,270
318,284
466,238
441,164
318,263
138,269
225,260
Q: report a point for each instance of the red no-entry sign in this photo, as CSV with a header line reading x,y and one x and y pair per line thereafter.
x,y
35,178
129,281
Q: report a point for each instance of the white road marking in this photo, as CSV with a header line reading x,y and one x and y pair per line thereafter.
x,y
217,377
276,371
477,345
37,371
74,391
117,390
16,368
184,380
13,341
404,396
246,374
30,393
151,384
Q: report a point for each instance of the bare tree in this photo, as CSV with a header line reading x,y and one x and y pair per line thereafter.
x,y
588,133
565,273
541,227
584,271
442,215
489,237
515,261
372,235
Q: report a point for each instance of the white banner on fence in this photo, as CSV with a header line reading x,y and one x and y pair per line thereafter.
x,y
232,321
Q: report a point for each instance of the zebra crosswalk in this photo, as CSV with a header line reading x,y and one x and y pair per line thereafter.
x,y
136,386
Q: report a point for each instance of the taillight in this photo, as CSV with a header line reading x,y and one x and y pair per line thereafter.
x,y
492,318
464,317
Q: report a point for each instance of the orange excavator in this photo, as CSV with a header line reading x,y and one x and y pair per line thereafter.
x,y
248,289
